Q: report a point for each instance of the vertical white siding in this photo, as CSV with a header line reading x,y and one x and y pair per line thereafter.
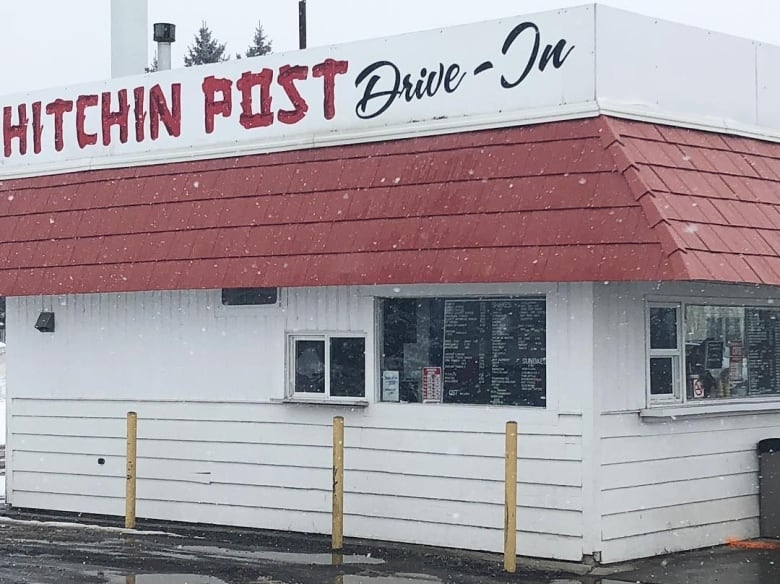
x,y
677,484
215,448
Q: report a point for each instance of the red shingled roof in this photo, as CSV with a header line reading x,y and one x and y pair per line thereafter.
x,y
595,199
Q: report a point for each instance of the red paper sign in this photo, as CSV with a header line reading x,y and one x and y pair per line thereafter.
x,y
431,385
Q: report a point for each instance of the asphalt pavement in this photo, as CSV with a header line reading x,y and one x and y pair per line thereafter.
x,y
54,552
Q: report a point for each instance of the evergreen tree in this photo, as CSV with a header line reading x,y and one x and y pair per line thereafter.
x,y
155,66
261,44
205,49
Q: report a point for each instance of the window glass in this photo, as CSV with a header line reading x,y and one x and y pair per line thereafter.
x,y
249,296
663,327
309,366
347,367
468,351
731,352
662,376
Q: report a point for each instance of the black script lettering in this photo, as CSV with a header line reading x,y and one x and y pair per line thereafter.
x,y
384,84
453,75
371,93
555,53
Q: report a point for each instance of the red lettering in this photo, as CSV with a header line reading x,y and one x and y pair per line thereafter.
x,y
288,75
11,131
248,81
118,118
37,108
58,108
159,111
82,103
328,70
19,131
139,95
214,107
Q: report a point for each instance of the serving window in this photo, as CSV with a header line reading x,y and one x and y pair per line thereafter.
x,y
464,351
327,366
700,352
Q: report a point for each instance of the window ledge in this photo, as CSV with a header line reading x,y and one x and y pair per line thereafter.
x,y
321,401
709,410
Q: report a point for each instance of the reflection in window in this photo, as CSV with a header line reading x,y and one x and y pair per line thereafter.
x,y
663,327
310,366
329,366
728,352
665,354
662,375
347,367
468,351
731,352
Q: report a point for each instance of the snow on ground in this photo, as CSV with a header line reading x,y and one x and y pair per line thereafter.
x,y
87,526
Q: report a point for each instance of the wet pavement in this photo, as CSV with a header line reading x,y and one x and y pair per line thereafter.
x,y
49,553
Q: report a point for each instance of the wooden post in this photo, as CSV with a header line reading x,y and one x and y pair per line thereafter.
x,y
510,498
132,436
338,483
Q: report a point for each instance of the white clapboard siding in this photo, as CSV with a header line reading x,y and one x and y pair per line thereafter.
x,y
674,470
679,483
665,494
680,539
439,442
445,417
293,477
542,472
216,446
647,521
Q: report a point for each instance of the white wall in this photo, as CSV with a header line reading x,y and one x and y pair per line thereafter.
x,y
675,484
214,448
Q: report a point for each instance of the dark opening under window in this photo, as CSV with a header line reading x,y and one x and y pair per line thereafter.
x,y
249,296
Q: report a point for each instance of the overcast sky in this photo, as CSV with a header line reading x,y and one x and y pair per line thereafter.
x,y
45,43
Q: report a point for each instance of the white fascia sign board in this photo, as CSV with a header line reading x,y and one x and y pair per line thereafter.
x,y
505,72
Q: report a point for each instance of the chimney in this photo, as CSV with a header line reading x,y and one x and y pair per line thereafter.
x,y
129,42
164,36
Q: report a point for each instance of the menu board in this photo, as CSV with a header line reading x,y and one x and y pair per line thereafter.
x,y
494,351
760,332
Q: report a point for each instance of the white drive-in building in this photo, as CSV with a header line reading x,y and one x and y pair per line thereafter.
x,y
554,219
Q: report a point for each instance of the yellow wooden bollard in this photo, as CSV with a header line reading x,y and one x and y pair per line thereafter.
x,y
338,483
510,498
132,436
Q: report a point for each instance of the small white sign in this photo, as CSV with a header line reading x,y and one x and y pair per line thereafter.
x,y
391,385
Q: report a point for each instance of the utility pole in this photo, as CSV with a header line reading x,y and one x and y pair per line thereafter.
x,y
301,24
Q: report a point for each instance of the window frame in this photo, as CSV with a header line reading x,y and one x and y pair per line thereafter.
x,y
682,302
248,310
677,355
325,337
486,296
